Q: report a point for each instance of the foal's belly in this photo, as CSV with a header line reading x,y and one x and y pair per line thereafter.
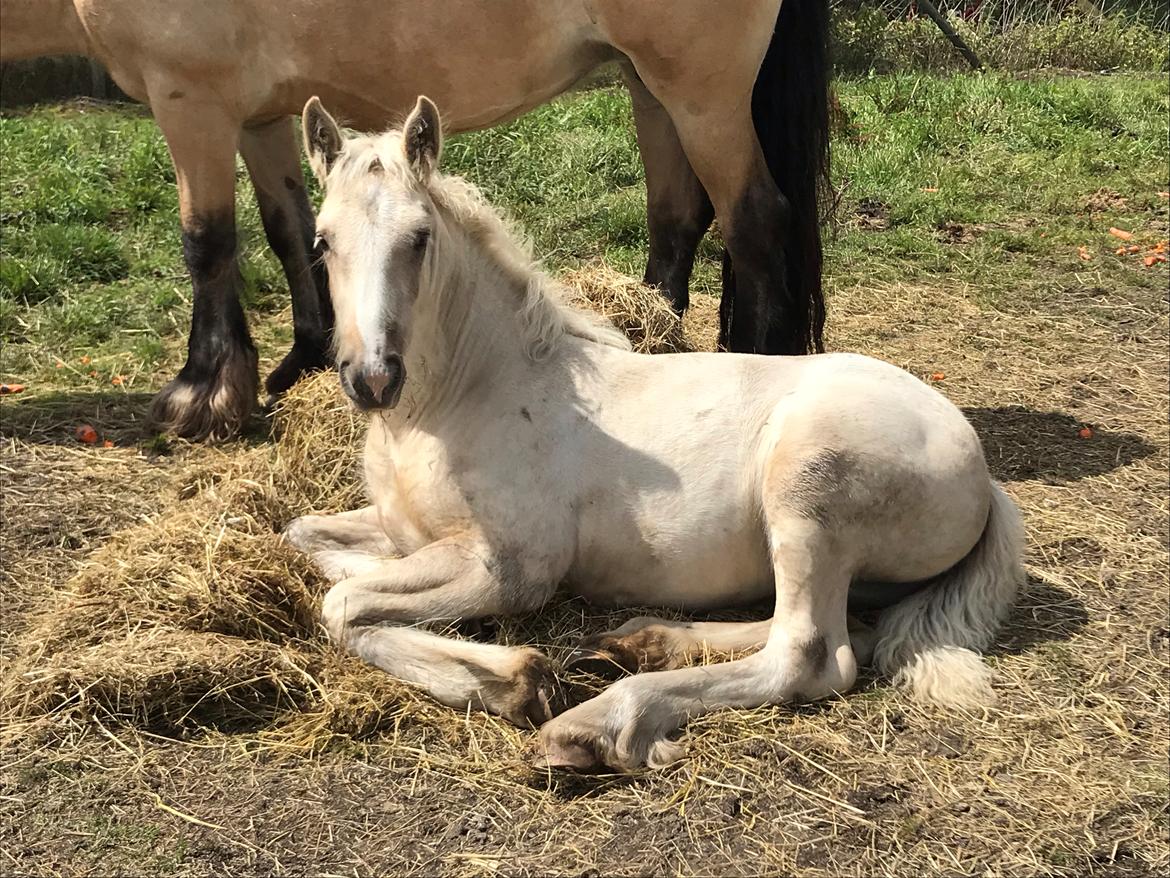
x,y
656,551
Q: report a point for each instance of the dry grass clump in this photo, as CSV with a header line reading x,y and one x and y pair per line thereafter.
x,y
201,616
636,309
319,444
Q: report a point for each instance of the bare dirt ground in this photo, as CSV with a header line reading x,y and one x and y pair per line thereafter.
x,y
1067,776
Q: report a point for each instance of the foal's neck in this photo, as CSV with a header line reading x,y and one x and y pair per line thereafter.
x,y
468,329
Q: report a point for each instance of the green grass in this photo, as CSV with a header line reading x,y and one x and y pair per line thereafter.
x,y
91,265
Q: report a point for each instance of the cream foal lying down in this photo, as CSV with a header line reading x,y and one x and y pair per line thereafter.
x,y
516,443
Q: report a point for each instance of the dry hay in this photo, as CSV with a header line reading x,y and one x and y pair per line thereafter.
x,y
199,619
642,313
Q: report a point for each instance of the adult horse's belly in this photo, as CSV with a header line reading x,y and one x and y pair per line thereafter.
x,y
482,64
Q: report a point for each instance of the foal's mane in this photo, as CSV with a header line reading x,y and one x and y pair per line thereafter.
x,y
547,314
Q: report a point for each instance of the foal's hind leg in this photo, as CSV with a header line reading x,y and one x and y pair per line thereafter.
x,y
678,211
215,391
807,656
273,159
650,644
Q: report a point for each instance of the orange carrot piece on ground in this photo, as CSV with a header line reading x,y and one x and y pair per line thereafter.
x,y
1120,233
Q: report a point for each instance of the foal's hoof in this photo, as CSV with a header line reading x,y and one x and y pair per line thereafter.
x,y
531,697
568,755
303,358
601,736
215,407
600,663
611,656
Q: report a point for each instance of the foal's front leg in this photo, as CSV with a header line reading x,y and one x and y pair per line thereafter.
x,y
447,580
343,544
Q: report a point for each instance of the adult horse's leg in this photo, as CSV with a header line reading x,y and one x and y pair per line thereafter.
x,y
215,391
272,155
754,220
678,210
750,109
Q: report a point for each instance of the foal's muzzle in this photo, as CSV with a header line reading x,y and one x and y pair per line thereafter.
x,y
374,387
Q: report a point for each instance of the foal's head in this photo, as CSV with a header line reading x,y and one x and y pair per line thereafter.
x,y
373,231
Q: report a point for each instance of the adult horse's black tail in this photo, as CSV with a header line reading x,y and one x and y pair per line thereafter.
x,y
790,107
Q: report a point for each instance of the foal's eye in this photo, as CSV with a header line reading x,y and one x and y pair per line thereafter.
x,y
421,239
320,245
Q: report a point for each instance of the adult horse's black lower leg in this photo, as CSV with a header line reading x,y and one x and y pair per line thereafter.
x,y
757,311
790,114
214,393
678,210
273,159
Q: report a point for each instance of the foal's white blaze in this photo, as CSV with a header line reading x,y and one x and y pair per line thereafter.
x,y
374,264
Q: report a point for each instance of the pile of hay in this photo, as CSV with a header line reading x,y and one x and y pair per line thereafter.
x,y
642,313
202,617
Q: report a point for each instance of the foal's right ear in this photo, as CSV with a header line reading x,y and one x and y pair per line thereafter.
x,y
322,137
422,137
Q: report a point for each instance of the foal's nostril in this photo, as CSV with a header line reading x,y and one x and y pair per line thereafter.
x,y
377,382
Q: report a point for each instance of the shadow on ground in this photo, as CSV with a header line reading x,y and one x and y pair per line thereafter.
x,y
1043,613
1023,444
53,418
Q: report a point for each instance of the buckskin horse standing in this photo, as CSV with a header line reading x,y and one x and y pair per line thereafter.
x,y
730,103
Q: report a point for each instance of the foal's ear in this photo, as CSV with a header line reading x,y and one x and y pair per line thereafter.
x,y
322,137
422,137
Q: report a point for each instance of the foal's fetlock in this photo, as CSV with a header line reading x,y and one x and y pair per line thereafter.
x,y
531,696
610,656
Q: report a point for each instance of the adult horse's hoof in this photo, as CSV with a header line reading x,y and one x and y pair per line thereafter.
x,y
303,358
214,408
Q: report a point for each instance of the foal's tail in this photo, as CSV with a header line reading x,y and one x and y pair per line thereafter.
x,y
790,108
928,642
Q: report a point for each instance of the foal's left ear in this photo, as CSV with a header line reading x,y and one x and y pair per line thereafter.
x,y
422,137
